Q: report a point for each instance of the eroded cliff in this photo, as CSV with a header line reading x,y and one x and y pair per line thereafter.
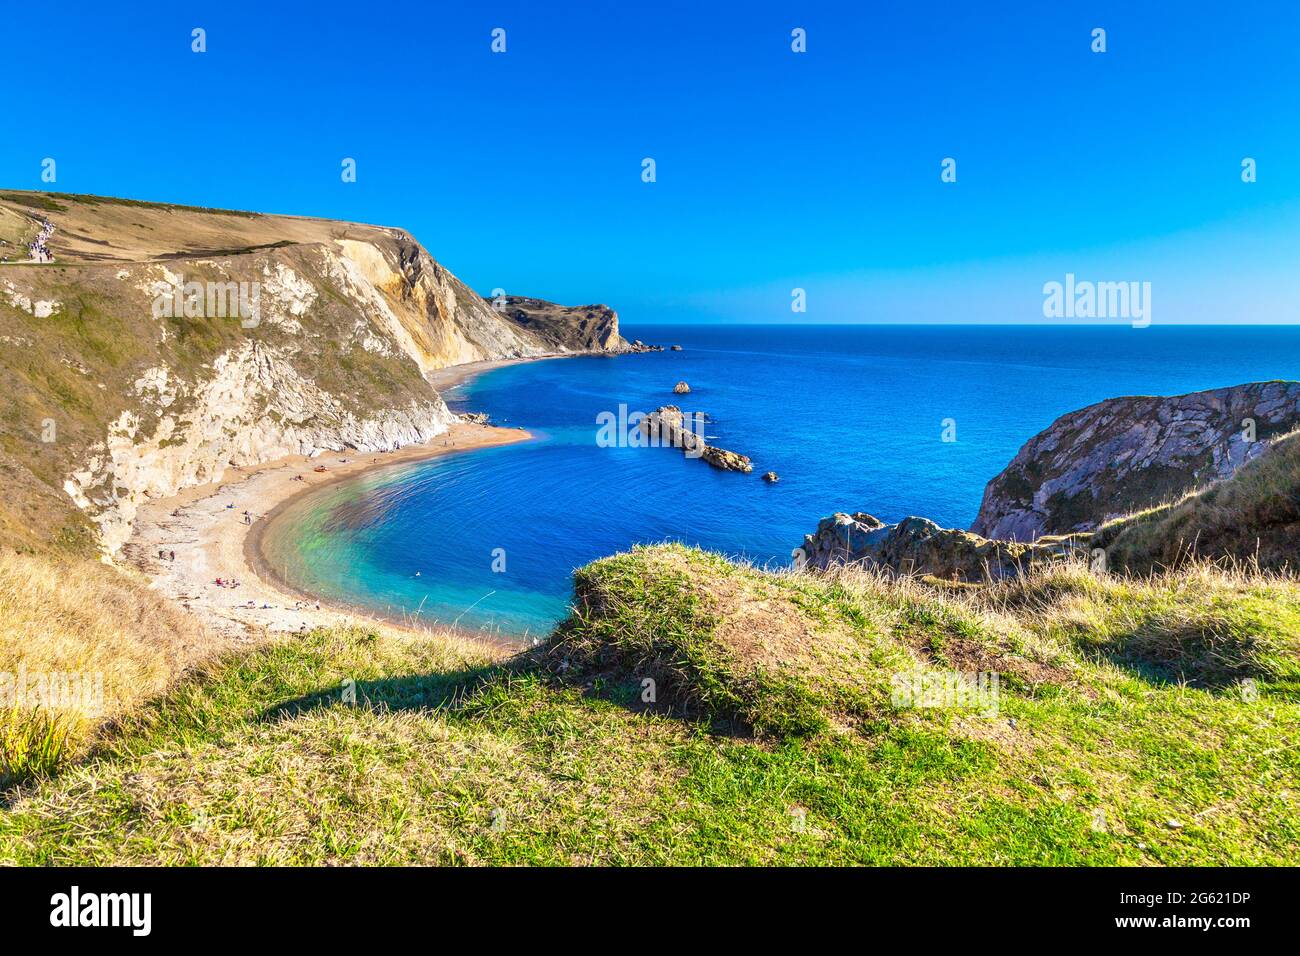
x,y
164,345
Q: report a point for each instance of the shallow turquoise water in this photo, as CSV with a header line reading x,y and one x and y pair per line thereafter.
x,y
852,418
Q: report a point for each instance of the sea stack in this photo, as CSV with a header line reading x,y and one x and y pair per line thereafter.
x,y
668,425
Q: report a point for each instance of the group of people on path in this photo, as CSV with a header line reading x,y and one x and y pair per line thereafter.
x,y
40,252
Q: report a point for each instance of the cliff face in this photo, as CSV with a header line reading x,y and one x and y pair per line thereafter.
x,y
1126,454
166,344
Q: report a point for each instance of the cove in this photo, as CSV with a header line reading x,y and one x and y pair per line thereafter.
x,y
851,417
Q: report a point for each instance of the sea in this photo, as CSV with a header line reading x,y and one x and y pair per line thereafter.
x,y
888,419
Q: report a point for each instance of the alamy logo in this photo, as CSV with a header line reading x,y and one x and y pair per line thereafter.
x,y
75,908
80,691
1098,300
946,690
212,300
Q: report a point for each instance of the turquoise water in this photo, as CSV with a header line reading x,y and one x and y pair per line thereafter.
x,y
852,418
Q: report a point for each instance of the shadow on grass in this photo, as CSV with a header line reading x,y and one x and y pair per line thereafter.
x,y
443,690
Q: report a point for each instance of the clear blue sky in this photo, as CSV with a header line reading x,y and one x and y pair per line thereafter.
x,y
775,170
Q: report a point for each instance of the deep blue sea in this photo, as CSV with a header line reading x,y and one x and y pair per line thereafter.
x,y
851,417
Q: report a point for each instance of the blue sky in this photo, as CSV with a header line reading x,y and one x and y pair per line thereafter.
x,y
775,170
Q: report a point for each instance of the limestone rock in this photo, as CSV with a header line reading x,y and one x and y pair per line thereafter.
x,y
669,425
681,388
1126,454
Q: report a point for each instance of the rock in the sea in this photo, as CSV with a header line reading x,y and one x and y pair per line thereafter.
x,y
919,546
727,460
677,348
667,425
681,388
638,346
771,477
1127,454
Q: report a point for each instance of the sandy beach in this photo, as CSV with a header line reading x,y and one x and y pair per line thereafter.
x,y
444,379
212,529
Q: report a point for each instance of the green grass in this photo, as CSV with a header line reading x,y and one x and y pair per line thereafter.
x,y
772,739
1252,517
34,743
54,202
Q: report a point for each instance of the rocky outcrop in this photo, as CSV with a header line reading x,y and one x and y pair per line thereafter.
x,y
638,346
919,546
578,328
668,425
681,388
727,460
1127,454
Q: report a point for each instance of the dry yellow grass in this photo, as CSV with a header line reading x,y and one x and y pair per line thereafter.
x,y
80,643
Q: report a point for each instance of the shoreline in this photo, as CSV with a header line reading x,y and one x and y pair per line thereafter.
x,y
453,376
206,548
205,527
481,436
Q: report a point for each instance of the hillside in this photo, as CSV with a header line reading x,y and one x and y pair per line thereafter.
x,y
167,344
790,721
1251,518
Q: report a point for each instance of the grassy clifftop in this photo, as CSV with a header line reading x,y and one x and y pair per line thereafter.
x,y
1140,722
